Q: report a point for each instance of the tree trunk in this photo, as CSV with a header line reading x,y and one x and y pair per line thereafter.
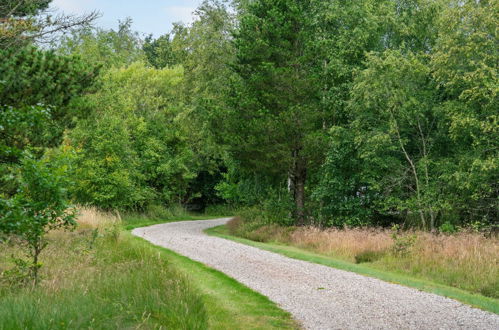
x,y
300,199
298,177
37,249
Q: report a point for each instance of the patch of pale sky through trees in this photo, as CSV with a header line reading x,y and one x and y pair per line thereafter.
x,y
149,16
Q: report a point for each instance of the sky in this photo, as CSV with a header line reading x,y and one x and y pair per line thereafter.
x,y
149,16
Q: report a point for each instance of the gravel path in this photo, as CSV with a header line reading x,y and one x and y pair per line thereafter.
x,y
319,297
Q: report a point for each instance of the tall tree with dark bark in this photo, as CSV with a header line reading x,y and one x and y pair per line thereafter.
x,y
274,123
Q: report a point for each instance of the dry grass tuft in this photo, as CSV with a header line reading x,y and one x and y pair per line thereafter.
x,y
91,217
346,243
466,260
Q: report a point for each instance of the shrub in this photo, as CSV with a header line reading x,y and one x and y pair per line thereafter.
x,y
40,205
368,256
160,212
447,228
402,243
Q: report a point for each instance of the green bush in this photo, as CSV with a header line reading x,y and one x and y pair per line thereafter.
x,y
402,243
161,212
40,205
225,210
368,256
447,228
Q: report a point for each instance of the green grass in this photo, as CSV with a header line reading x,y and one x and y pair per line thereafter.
x,y
137,221
120,283
229,304
475,300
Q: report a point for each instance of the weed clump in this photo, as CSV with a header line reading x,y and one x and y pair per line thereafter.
x,y
368,256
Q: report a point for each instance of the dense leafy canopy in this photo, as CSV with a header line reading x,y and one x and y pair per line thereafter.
x,y
329,112
131,150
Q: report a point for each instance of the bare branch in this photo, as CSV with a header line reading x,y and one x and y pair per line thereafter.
x,y
24,21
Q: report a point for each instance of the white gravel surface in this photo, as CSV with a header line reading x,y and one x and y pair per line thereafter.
x,y
319,297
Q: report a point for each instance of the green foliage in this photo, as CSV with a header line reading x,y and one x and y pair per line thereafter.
x,y
402,242
159,52
368,256
22,8
397,129
278,208
447,228
340,35
108,48
40,205
419,142
18,275
271,126
37,88
465,64
205,51
30,76
132,150
343,193
333,112
21,128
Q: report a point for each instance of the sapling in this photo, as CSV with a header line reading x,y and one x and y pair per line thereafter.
x,y
39,206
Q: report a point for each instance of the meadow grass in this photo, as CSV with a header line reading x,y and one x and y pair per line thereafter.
x,y
101,277
462,266
118,283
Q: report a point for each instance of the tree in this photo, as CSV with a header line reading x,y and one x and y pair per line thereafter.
x,y
37,88
36,95
39,205
397,128
108,48
205,51
19,8
131,151
341,34
418,145
464,64
159,52
273,125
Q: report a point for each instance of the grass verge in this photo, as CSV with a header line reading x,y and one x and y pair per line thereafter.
x,y
112,282
102,277
485,303
229,304
135,221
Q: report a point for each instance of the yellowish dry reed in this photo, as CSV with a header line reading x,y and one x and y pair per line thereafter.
x,y
90,217
346,243
467,260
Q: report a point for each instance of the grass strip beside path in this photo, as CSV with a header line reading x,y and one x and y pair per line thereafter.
x,y
130,223
479,301
229,304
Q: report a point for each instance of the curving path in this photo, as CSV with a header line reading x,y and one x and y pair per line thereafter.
x,y
319,297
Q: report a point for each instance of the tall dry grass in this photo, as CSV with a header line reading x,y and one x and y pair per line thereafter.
x,y
94,277
91,217
346,243
467,260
